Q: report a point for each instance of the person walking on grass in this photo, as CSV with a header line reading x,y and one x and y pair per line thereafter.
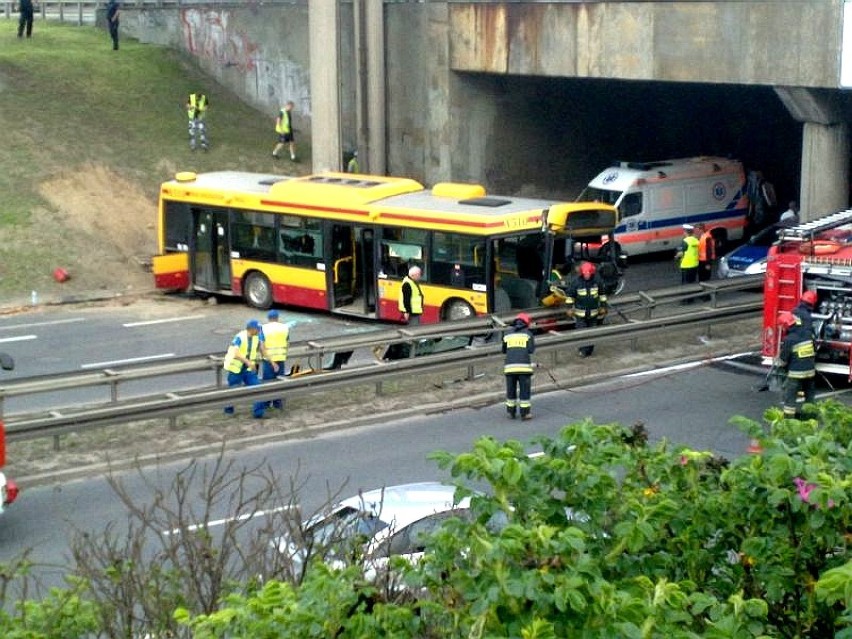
x,y
196,109
284,129
113,10
25,23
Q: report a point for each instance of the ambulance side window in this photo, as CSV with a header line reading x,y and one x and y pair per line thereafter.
x,y
631,205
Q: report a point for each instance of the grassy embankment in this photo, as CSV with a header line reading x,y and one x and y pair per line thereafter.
x,y
87,132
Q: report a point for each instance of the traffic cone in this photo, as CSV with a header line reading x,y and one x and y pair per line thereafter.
x,y
754,447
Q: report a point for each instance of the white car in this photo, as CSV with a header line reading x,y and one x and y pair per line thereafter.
x,y
377,524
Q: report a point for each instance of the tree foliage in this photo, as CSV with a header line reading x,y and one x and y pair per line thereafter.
x,y
600,535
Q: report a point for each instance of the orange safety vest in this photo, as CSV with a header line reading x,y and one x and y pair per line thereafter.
x,y
706,247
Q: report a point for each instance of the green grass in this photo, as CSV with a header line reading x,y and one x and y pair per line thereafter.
x,y
67,102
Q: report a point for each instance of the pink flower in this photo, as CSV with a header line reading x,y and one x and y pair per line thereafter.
x,y
684,460
805,489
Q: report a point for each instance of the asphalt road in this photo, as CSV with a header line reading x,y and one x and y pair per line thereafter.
x,y
689,406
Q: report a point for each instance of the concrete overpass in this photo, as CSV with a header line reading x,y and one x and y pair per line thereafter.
x,y
539,96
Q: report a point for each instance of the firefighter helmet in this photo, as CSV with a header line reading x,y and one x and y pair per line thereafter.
x,y
809,297
786,319
525,319
587,269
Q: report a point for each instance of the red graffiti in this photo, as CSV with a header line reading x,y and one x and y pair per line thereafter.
x,y
206,34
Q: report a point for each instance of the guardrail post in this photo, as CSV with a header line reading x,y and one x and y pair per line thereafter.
x,y
62,12
380,388
56,444
113,385
80,13
471,372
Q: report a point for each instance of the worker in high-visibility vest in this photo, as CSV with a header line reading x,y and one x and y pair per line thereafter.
x,y
276,338
196,110
241,362
284,129
587,301
797,358
706,253
687,256
411,297
518,347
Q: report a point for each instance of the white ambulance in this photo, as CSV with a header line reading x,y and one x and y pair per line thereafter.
x,y
655,200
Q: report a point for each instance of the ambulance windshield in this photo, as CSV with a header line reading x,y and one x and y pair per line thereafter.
x,y
594,194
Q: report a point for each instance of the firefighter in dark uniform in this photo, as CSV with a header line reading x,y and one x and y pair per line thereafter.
x,y
797,358
518,346
586,297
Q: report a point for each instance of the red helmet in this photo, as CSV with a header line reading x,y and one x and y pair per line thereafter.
x,y
786,319
523,317
809,297
587,269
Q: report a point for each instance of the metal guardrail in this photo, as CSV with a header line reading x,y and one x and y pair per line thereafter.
x,y
54,423
172,404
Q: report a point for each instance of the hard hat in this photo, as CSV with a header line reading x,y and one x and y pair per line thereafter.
x,y
587,269
524,318
809,297
253,324
273,314
786,319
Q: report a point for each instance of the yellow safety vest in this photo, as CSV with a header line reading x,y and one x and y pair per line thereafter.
x,y
282,125
416,297
197,106
690,255
275,338
231,363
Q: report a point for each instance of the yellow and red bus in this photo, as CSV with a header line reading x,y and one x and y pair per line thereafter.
x,y
342,242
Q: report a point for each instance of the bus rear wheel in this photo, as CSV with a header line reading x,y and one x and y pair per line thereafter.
x,y
258,291
455,310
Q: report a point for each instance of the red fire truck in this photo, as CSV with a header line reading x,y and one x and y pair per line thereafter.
x,y
816,256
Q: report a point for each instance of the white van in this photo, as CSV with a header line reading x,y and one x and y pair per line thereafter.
x,y
655,200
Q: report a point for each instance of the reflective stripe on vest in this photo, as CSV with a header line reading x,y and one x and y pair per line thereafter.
x,y
416,297
690,255
283,123
517,355
275,336
231,363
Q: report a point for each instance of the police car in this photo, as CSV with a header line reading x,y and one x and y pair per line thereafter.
x,y
750,258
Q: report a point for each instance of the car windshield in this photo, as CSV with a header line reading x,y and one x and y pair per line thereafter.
x,y
346,523
594,194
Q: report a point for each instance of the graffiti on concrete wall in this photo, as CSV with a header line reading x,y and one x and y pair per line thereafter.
x,y
207,34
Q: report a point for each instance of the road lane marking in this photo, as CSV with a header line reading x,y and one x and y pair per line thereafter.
x,y
162,321
20,338
130,360
221,522
70,320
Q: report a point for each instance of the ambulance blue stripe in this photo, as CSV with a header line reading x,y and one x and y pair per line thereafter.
x,y
707,218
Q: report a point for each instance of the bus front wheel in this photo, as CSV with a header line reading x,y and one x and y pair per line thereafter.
x,y
258,291
455,310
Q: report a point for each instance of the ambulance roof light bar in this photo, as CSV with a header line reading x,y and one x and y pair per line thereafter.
x,y
806,230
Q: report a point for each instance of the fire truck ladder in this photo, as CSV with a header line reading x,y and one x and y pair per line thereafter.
x,y
807,230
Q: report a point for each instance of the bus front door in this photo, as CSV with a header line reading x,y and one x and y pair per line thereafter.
x,y
211,266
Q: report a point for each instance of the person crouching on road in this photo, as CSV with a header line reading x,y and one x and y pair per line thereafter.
x,y
276,338
587,300
797,358
240,362
518,346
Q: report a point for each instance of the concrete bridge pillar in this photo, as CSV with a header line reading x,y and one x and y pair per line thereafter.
x,y
824,183
324,33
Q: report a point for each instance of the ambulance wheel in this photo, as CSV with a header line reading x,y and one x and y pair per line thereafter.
x,y
457,309
258,291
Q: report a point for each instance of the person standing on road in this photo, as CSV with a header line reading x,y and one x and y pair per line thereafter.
x,y
411,297
804,309
587,300
26,19
276,338
241,362
687,256
112,14
797,359
518,347
706,253
196,109
352,166
284,129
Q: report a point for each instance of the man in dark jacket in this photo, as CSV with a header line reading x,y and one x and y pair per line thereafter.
x,y
518,346
113,11
586,297
798,361
26,8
